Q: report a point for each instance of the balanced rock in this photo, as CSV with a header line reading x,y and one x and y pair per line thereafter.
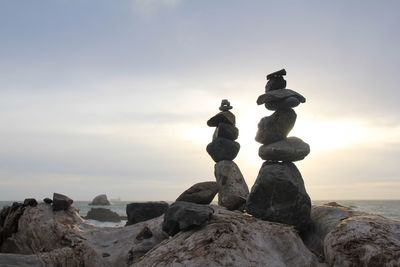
x,y
100,200
47,200
30,202
223,149
289,149
185,216
231,184
225,105
276,127
227,131
200,193
276,74
222,117
143,211
275,84
279,195
103,215
276,98
61,202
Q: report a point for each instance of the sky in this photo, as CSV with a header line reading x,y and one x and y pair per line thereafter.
x,y
113,97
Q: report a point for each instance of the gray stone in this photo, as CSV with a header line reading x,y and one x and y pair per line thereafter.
x,y
225,105
19,260
185,216
143,211
289,149
47,200
222,117
289,102
227,131
145,233
223,149
9,218
231,184
100,200
276,74
103,215
200,193
278,95
279,195
275,84
275,127
30,202
61,202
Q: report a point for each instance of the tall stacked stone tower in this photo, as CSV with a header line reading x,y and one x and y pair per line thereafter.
x,y
278,193
232,188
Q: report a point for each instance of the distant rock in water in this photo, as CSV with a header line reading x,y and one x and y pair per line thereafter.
x,y
61,202
47,200
200,193
143,211
100,200
103,215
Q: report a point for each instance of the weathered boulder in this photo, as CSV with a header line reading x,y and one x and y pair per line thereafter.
x,y
200,193
223,149
222,117
279,195
276,127
143,211
100,200
231,184
289,149
227,131
62,239
9,218
61,202
185,216
368,240
232,239
103,215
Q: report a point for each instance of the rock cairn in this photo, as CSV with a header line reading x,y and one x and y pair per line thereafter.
x,y
232,188
278,193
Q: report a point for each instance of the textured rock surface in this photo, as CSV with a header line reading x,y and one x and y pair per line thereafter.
x,y
200,193
18,260
100,200
232,239
222,117
227,131
275,84
184,216
9,217
279,195
143,211
290,149
103,215
368,240
223,149
275,127
231,183
61,202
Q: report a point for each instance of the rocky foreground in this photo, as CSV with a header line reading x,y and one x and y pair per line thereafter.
x,y
338,237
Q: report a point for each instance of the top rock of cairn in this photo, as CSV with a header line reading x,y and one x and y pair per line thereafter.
x,y
276,95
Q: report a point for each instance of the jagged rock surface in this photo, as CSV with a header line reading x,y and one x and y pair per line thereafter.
x,y
232,239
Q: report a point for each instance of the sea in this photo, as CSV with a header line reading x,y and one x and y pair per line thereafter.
x,y
386,208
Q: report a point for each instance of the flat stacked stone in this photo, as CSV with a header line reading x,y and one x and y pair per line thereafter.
x,y
232,188
278,193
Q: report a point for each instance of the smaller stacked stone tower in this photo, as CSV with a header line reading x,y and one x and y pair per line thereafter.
x,y
232,188
279,194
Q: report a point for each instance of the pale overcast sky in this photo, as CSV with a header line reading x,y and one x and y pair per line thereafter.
x,y
112,97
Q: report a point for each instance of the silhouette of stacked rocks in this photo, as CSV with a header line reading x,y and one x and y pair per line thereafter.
x,y
232,188
278,193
